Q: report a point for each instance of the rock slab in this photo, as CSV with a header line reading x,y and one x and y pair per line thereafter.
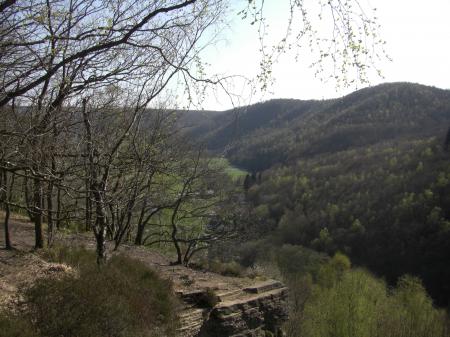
x,y
249,312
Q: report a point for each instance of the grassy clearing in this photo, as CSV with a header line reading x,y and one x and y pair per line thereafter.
x,y
234,172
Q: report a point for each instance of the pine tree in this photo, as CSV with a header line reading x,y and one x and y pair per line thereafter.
x,y
447,141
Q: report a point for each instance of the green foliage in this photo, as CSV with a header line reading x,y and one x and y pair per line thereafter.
x,y
332,272
233,172
353,200
293,260
357,304
348,308
122,298
365,175
328,298
340,263
324,242
412,311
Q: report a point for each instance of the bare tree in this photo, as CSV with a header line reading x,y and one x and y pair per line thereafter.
x,y
45,37
40,39
78,77
202,211
53,51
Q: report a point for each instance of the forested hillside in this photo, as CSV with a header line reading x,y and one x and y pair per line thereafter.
x,y
367,175
279,131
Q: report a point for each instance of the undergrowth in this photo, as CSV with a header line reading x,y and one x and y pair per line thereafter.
x,y
122,298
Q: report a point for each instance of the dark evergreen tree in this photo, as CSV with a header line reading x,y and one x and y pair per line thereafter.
x,y
447,141
247,182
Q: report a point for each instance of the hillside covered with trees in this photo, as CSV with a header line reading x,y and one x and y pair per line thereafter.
x,y
279,131
367,175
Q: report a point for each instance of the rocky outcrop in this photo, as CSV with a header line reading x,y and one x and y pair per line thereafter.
x,y
247,312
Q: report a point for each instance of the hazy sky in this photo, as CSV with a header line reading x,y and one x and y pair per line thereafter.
x,y
417,33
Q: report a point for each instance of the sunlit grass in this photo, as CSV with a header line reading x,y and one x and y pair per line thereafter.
x,y
234,172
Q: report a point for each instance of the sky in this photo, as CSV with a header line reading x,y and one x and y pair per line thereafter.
x,y
417,35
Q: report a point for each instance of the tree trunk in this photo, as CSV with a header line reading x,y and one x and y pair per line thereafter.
x,y
88,220
37,214
100,226
7,197
141,225
50,224
139,235
50,221
187,254
100,238
28,201
8,245
58,208
177,245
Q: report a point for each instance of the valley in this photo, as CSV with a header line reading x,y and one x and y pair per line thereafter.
x,y
367,175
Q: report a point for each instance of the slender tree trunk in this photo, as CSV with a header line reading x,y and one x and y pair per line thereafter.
x,y
112,222
100,227
100,238
124,229
173,222
7,197
176,243
58,208
37,214
97,190
141,225
187,254
88,215
50,221
8,244
139,235
28,201
50,224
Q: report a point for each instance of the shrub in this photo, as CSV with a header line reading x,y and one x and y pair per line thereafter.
x,y
209,299
122,298
226,268
15,326
76,257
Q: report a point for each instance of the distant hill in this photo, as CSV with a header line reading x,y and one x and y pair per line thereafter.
x,y
366,174
282,130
